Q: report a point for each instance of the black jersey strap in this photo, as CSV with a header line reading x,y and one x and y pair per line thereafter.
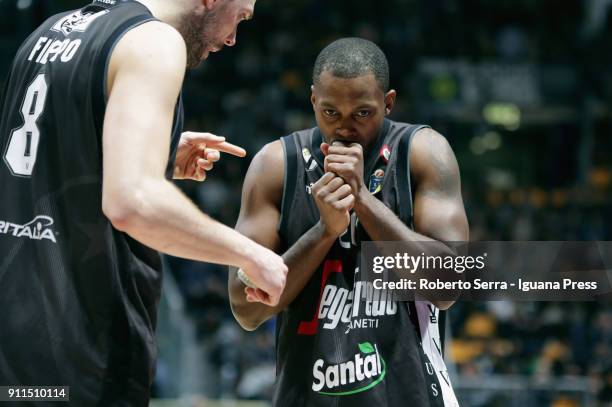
x,y
373,157
110,3
442,328
315,146
414,318
177,129
404,183
289,184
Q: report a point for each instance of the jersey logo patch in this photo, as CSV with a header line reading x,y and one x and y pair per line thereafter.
x,y
376,181
385,153
358,308
38,228
365,370
77,21
310,162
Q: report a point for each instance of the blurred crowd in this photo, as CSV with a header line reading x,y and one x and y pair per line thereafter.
x,y
535,161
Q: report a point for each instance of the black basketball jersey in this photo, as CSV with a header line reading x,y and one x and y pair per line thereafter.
x,y
340,343
78,298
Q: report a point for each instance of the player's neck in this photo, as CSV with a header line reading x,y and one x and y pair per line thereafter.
x,y
167,11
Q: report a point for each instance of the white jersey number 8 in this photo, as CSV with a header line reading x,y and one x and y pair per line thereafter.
x,y
23,145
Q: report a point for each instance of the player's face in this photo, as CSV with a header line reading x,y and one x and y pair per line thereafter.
x,y
209,30
350,110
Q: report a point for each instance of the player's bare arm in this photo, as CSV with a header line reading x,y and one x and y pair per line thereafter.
x,y
439,214
145,76
259,216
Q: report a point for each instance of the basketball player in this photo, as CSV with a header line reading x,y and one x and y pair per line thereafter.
x,y
355,174
89,107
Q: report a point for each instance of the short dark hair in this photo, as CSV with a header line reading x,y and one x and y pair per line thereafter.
x,y
351,58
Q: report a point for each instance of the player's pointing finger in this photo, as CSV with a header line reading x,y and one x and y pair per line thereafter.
x,y
229,148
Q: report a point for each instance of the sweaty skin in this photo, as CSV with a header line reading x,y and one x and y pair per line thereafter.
x,y
439,214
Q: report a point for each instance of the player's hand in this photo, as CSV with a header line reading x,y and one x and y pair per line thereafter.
x,y
334,199
197,153
268,273
346,161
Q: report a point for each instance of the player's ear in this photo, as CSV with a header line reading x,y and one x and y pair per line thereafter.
x,y
313,98
390,101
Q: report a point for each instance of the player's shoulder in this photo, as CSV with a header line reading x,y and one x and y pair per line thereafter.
x,y
154,52
267,171
429,150
156,43
424,140
427,139
271,157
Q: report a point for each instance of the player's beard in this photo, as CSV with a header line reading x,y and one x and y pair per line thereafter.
x,y
199,32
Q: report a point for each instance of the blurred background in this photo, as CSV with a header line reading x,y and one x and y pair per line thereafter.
x,y
522,89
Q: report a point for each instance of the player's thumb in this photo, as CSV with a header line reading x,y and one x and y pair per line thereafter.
x,y
325,148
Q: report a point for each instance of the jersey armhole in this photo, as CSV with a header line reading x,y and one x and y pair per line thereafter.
x,y
290,153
